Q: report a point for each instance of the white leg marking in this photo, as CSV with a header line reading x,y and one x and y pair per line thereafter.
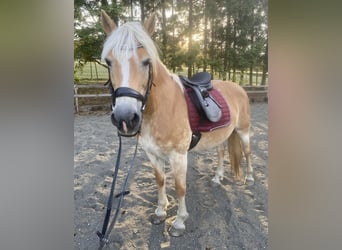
x,y
247,151
182,214
162,201
220,170
159,166
179,165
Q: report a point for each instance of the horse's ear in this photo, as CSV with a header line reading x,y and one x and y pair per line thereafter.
x,y
150,23
107,23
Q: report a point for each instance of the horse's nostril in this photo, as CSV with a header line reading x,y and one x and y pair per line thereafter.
x,y
135,118
114,122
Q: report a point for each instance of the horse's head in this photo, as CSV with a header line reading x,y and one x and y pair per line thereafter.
x,y
130,54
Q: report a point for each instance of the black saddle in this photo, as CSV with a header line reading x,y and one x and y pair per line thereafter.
x,y
201,79
201,85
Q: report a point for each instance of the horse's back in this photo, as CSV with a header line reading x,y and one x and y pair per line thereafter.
x,y
231,90
235,96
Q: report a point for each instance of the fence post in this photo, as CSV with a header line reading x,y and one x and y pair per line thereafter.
x,y
76,98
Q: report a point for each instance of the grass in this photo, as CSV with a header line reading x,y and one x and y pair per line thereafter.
x,y
92,73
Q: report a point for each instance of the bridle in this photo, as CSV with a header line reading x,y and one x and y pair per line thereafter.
x,y
125,91
119,92
129,92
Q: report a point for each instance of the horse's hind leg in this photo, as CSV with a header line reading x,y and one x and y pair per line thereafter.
x,y
160,213
220,170
244,136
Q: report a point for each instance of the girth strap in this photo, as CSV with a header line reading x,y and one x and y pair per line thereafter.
x,y
195,138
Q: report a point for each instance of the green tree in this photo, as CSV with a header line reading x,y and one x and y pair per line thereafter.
x,y
88,34
221,36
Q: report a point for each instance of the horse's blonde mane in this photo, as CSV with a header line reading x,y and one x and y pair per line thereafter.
x,y
178,81
124,41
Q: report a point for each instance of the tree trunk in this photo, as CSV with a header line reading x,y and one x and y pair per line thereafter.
x,y
242,73
256,77
226,49
91,71
212,46
265,66
264,72
251,74
131,7
190,63
142,10
115,17
234,49
205,50
229,71
97,74
163,24
104,3
173,48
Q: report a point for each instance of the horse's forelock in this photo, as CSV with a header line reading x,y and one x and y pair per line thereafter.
x,y
124,41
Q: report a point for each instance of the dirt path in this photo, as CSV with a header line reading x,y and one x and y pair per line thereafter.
x,y
230,216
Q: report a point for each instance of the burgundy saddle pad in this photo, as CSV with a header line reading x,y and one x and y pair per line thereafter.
x,y
198,121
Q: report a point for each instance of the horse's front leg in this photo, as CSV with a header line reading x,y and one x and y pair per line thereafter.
x,y
179,167
158,164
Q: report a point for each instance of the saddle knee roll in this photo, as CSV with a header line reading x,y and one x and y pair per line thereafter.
x,y
212,109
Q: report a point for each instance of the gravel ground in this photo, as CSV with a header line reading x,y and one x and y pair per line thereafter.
x,y
229,216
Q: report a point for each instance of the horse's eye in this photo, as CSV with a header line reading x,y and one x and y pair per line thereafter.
x,y
146,62
109,63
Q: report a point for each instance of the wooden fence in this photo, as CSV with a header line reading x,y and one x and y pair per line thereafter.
x,y
255,93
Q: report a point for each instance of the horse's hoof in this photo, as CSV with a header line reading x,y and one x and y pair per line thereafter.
x,y
156,220
176,232
215,181
249,181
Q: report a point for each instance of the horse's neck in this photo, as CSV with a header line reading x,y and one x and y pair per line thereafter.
x,y
165,117
164,94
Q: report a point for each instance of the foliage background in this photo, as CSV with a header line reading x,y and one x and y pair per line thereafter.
x,y
228,38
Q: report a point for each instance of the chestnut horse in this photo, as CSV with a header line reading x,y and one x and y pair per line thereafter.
x,y
150,102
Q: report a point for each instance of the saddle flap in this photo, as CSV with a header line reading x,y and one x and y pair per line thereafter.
x,y
210,107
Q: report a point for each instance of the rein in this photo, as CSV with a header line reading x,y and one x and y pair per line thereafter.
x,y
122,91
103,235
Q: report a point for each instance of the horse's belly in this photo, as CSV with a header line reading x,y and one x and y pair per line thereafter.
x,y
213,139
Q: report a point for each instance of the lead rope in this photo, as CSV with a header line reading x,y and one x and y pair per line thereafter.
x,y
103,235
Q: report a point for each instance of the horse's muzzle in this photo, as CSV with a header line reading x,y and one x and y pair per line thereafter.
x,y
127,121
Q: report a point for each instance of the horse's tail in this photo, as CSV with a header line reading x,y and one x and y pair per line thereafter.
x,y
235,152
